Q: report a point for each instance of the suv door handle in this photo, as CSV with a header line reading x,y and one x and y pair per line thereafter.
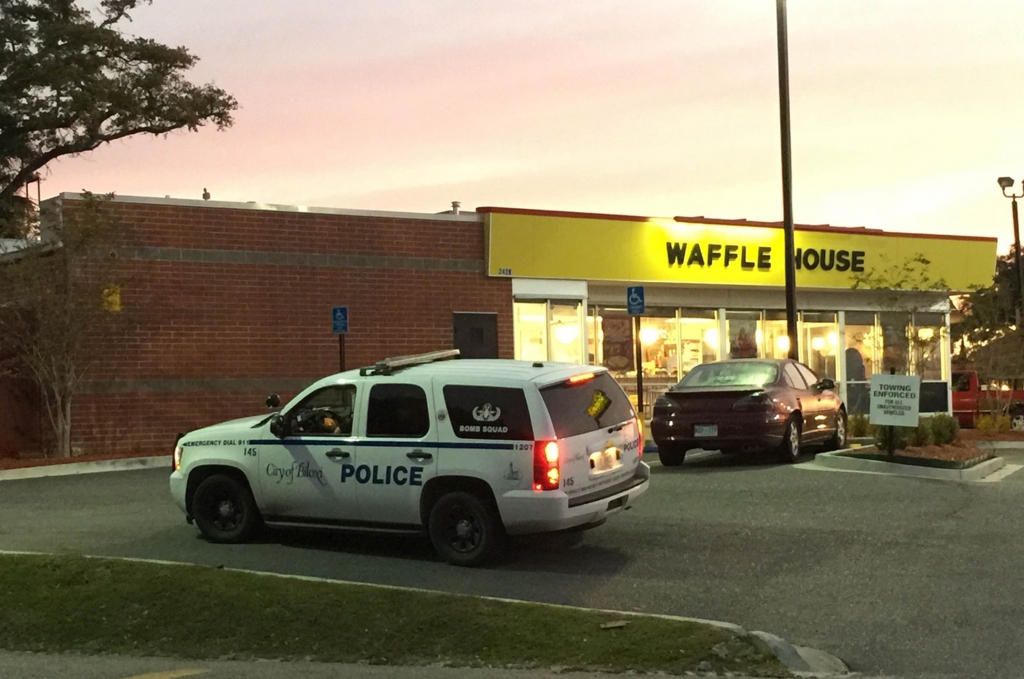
x,y
338,454
419,456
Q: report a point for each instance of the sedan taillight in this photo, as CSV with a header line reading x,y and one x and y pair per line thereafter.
x,y
757,402
546,474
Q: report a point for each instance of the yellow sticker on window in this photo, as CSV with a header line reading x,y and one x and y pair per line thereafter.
x,y
599,404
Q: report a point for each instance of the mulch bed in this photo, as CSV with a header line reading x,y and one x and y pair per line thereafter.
x,y
959,454
21,463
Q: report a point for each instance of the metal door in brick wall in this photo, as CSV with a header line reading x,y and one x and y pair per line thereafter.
x,y
476,334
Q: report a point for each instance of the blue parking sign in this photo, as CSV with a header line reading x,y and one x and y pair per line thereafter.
x,y
339,320
635,300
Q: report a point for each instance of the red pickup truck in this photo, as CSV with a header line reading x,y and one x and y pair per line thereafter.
x,y
971,398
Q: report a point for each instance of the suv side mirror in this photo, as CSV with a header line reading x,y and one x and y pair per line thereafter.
x,y
278,426
825,384
273,401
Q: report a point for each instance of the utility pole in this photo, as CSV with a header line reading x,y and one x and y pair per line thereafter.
x,y
787,182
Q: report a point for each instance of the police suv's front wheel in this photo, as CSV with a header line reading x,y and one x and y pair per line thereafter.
x,y
464,530
224,509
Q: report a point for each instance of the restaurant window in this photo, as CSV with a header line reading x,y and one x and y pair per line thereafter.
x,y
744,333
659,345
548,331
566,333
775,342
820,344
926,343
895,326
698,338
861,346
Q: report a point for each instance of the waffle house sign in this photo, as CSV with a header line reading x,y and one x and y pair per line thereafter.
x,y
541,244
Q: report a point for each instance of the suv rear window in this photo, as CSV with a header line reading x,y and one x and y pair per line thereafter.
x,y
588,406
488,412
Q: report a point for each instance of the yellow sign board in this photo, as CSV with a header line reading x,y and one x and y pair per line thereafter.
x,y
531,244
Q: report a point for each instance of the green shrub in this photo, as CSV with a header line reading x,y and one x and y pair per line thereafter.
x,y
1003,423
884,435
985,423
859,425
944,429
921,435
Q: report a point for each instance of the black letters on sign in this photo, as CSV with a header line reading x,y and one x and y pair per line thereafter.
x,y
810,259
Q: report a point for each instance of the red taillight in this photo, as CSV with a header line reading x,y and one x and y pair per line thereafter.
x,y
581,378
640,433
546,474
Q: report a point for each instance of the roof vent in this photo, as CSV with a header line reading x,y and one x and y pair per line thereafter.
x,y
455,207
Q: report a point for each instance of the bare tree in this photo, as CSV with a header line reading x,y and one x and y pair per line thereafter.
x,y
901,289
60,306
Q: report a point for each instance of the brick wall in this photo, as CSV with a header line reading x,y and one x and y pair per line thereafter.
x,y
227,305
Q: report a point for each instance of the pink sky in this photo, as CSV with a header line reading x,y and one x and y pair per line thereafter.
x,y
904,111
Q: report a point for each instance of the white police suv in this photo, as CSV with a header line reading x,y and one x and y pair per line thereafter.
x,y
468,450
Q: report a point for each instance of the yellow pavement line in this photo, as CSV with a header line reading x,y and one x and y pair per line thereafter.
x,y
173,674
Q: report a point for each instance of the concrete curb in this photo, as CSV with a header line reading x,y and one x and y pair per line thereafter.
x,y
835,460
800,660
97,466
1015,446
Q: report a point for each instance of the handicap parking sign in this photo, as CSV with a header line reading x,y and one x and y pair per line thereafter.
x,y
339,320
635,300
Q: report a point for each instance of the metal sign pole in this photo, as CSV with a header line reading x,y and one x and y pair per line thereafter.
x,y
638,350
341,352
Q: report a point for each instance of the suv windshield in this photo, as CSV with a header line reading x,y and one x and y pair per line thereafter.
x,y
585,407
732,374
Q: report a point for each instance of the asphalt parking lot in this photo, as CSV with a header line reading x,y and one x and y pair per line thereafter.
x,y
895,576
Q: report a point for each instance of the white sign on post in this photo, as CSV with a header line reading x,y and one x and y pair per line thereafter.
x,y
895,400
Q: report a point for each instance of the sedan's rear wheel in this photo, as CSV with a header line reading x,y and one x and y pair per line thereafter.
x,y
1017,422
789,451
671,454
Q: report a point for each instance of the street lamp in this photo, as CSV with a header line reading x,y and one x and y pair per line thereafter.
x,y
1006,184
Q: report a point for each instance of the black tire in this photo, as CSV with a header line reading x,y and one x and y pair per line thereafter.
x,y
224,510
671,455
1017,419
789,449
838,440
464,529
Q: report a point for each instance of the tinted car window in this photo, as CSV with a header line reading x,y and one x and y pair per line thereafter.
x,y
398,411
587,406
338,404
961,381
731,374
488,412
809,376
792,377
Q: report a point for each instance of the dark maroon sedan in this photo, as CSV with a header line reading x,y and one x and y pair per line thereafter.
x,y
748,405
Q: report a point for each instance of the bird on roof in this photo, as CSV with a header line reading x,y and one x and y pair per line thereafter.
x,y
206,194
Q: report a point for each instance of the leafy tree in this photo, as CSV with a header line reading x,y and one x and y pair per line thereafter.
x,y
988,338
60,307
71,80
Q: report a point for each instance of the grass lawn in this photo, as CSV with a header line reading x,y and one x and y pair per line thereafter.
x,y
69,603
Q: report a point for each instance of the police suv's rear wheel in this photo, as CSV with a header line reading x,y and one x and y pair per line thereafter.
x,y
464,530
224,510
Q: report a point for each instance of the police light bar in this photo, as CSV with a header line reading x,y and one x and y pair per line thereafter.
x,y
389,365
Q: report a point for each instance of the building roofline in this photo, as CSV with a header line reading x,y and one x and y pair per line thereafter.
x,y
827,228
275,207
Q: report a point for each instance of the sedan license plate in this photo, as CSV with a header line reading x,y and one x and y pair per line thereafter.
x,y
705,430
